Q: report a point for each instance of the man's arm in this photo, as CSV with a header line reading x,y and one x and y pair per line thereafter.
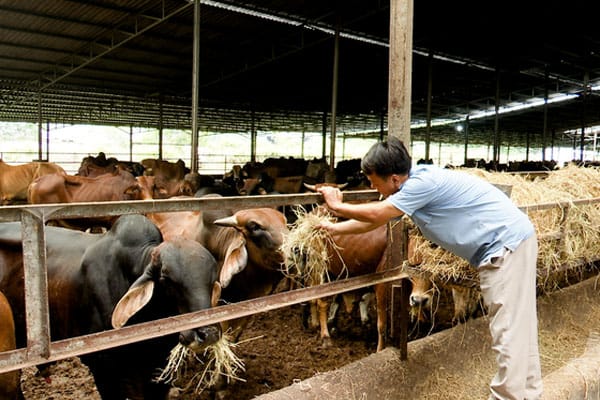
x,y
366,216
346,227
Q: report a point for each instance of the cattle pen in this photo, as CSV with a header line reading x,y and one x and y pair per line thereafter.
x,y
41,349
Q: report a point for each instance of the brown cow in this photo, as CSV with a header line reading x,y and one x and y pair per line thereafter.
x,y
162,189
354,255
424,304
10,382
95,166
15,179
57,188
246,245
167,175
165,169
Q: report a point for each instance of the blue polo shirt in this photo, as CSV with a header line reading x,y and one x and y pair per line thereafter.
x,y
462,213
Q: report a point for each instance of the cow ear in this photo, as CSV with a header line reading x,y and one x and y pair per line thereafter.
x,y
138,295
236,259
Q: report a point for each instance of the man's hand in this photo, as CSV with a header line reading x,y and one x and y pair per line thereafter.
x,y
326,225
332,196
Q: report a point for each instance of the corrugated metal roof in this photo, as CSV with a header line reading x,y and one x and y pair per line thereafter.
x,y
122,62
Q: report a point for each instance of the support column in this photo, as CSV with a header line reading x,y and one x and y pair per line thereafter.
x,y
39,126
160,128
334,93
400,69
545,129
253,137
195,85
429,92
496,142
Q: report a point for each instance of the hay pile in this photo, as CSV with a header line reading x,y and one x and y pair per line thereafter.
x,y
307,248
578,225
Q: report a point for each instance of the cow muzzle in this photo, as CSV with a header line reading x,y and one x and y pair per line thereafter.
x,y
419,300
199,339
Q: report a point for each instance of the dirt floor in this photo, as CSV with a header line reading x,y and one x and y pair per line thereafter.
x,y
278,351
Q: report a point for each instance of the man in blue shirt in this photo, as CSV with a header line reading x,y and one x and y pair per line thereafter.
x,y
473,219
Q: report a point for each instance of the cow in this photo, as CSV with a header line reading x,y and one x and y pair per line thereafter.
x,y
167,175
15,179
10,382
274,175
161,189
425,296
95,166
249,179
194,182
349,172
246,244
428,295
99,281
57,188
164,169
354,255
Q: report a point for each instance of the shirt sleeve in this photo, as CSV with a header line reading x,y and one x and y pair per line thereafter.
x,y
414,194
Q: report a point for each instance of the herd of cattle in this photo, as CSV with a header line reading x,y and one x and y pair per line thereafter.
x,y
145,267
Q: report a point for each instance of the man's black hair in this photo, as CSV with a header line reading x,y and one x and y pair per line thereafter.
x,y
387,158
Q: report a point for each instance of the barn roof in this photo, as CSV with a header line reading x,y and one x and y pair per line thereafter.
x,y
270,63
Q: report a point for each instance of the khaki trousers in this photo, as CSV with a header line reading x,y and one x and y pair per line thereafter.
x,y
508,287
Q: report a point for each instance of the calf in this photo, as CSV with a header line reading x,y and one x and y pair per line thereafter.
x,y
353,255
466,300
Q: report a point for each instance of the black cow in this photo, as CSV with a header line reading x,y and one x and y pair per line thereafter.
x,y
88,275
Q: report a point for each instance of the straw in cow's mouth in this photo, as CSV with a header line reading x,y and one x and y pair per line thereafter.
x,y
218,360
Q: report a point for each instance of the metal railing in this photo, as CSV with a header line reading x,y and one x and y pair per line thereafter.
x,y
40,349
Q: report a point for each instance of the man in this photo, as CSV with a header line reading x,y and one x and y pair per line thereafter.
x,y
476,221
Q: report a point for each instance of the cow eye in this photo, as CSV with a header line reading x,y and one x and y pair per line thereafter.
x,y
253,226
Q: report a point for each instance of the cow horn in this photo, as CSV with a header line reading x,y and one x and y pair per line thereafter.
x,y
227,221
310,187
216,294
342,186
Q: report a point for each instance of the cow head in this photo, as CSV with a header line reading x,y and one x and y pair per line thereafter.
x,y
181,272
152,188
260,236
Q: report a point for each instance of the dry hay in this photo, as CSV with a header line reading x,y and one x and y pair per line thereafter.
x,y
218,360
566,321
567,237
306,247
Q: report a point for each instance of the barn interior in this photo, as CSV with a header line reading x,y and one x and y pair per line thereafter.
x,y
525,76
501,71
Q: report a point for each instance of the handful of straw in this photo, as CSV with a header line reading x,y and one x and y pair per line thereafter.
x,y
219,362
307,248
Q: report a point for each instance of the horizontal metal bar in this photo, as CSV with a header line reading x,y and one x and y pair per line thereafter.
x,y
96,209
